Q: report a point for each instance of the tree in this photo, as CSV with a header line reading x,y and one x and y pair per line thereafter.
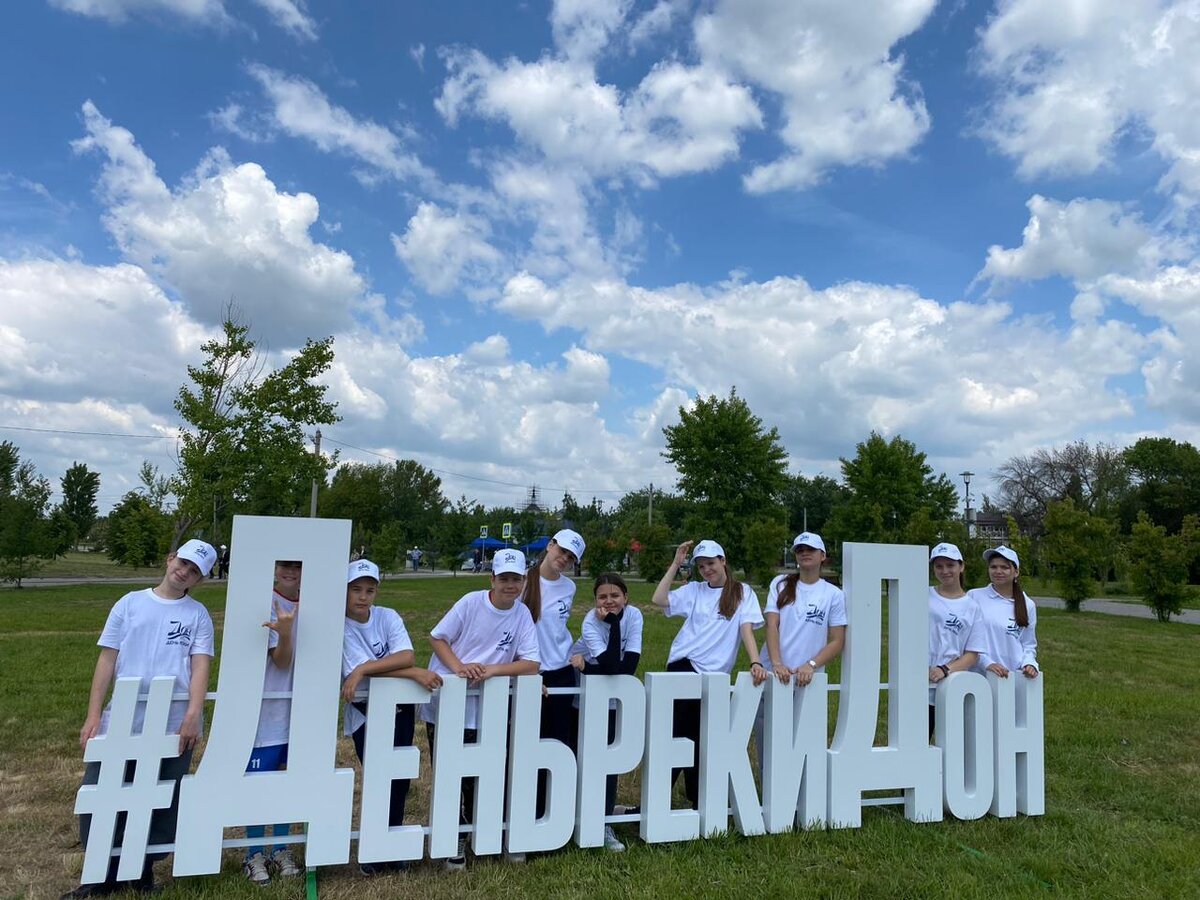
x,y
656,551
1095,478
243,447
1166,475
24,536
811,501
765,542
139,533
1076,546
889,482
373,496
729,465
79,488
1158,563
61,532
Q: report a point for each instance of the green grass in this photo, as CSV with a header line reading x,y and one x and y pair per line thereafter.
x,y
1122,758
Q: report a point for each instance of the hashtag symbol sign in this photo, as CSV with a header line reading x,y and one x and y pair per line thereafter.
x,y
111,794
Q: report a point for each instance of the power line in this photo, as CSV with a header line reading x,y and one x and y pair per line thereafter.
x,y
157,437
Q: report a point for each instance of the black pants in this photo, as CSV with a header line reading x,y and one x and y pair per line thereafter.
x,y
610,788
560,722
687,724
162,821
402,736
466,806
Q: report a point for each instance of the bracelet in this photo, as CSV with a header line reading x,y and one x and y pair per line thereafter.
x,y
757,663
945,670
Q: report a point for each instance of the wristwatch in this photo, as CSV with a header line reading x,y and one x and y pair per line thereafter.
x,y
813,663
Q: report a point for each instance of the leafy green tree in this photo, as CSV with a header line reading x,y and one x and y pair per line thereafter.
x,y
79,488
765,542
1158,563
459,526
656,549
139,533
61,532
889,482
729,465
1095,478
1076,546
24,535
607,547
403,496
1166,475
812,501
243,447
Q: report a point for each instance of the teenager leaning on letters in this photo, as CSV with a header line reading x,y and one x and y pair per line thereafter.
x,y
485,634
156,631
610,643
954,642
719,611
375,643
1007,622
549,595
806,624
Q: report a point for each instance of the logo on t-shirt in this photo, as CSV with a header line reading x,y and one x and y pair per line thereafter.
x,y
563,609
953,623
379,648
506,640
178,633
1014,630
815,614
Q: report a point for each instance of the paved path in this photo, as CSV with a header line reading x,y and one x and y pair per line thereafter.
x,y
1120,608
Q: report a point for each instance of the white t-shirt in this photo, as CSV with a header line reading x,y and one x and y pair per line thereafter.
x,y
554,639
154,637
381,635
706,638
275,716
479,632
805,622
594,633
952,630
1002,640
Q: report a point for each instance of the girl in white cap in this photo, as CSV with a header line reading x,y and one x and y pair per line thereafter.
x,y
549,595
1007,622
954,641
719,611
485,634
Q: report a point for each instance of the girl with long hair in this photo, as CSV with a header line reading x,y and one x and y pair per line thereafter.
x,y
1007,620
954,641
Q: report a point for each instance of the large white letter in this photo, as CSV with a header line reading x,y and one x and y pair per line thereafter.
x,y
311,790
907,761
664,752
597,758
725,771
377,840
795,786
454,760
528,755
963,729
1020,755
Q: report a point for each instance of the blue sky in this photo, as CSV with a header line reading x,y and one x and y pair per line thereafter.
x,y
535,231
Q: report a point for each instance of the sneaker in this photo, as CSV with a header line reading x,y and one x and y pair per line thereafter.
x,y
459,862
620,810
255,868
514,858
282,860
611,842
383,868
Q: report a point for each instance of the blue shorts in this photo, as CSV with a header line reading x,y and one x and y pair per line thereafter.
x,y
268,759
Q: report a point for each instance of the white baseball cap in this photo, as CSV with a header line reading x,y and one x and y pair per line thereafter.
x,y
949,551
571,540
707,549
362,568
508,561
200,553
809,539
1006,552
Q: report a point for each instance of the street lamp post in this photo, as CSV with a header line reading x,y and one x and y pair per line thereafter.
x,y
968,513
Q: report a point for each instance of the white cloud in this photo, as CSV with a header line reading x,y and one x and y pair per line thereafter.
x,y
1082,239
444,249
845,100
1070,83
302,110
225,234
290,15
583,28
198,11
656,20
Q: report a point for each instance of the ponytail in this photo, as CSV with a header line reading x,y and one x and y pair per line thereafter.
x,y
533,592
731,594
1020,610
787,590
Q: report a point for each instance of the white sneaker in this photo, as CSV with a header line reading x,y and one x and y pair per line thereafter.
x,y
611,842
459,862
255,868
284,864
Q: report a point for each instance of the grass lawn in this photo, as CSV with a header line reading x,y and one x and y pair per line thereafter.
x,y
1122,781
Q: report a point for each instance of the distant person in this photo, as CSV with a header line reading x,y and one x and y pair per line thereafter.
x,y
1007,618
477,561
954,638
223,563
152,632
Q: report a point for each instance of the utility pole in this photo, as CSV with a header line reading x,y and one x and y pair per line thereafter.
x,y
312,509
650,514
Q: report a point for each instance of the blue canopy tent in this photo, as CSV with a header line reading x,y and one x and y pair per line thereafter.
x,y
537,545
488,543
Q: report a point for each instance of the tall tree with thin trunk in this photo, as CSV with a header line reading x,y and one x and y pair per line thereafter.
x,y
79,488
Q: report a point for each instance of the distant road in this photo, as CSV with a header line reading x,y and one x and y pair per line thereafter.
x,y
1120,608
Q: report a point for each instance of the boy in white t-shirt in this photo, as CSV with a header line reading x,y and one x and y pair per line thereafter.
x,y
270,752
376,643
153,632
484,635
